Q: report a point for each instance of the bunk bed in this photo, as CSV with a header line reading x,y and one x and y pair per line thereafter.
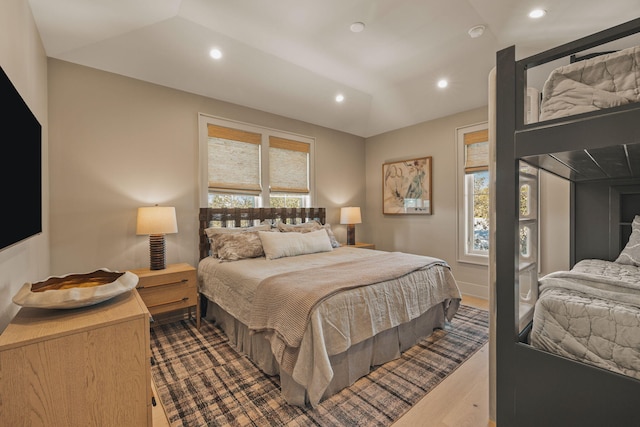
x,y
598,152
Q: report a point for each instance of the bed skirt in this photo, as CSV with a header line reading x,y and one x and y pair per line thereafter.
x,y
348,366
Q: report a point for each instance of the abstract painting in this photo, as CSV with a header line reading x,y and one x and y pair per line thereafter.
x,y
406,187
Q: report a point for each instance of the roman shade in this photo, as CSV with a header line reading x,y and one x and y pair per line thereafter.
x,y
476,151
288,165
234,160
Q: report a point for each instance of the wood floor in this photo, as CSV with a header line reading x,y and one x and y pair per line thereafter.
x,y
461,400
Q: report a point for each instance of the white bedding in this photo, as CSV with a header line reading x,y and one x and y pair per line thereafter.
x,y
593,84
340,321
591,314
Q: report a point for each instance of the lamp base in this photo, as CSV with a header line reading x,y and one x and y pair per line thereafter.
x,y
351,234
157,251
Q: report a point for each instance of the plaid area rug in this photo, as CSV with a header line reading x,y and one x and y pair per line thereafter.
x,y
202,381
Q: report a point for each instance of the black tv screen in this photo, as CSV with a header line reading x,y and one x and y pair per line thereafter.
x,y
21,170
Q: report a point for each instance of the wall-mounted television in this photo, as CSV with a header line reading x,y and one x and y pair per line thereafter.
x,y
21,167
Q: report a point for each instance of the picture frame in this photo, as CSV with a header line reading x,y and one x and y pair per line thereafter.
x,y
407,187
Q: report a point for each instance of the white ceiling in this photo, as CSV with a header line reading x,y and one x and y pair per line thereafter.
x,y
291,57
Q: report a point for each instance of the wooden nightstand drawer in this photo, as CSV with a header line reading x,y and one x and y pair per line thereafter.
x,y
174,288
163,297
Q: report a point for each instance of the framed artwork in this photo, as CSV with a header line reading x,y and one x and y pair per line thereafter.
x,y
406,187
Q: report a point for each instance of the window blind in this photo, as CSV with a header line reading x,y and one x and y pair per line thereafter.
x,y
288,165
234,160
476,151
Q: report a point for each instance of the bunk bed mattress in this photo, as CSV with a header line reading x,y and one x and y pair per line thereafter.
x,y
591,314
593,84
423,299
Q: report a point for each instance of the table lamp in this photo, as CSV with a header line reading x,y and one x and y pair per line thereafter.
x,y
156,221
350,216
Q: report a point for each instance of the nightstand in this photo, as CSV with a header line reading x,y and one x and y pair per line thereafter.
x,y
363,245
174,288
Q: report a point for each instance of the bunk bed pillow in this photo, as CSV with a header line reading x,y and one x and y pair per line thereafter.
x,y
630,255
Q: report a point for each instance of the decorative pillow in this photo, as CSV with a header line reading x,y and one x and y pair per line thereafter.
x,y
278,245
305,227
630,255
235,246
214,232
332,237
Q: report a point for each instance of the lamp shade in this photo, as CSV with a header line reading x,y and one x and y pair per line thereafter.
x,y
157,220
350,215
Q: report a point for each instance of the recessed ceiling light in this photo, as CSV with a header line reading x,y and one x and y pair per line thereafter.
x,y
215,53
442,83
339,97
357,27
477,31
537,13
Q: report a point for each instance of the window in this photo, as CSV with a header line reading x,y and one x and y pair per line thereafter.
x,y
525,212
528,242
473,193
244,165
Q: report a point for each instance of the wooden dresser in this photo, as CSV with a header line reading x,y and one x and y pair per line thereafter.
x,y
82,367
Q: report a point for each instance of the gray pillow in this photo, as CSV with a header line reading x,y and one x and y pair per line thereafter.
x,y
235,246
214,232
307,227
630,255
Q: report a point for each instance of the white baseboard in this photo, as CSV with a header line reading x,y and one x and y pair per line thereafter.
x,y
474,290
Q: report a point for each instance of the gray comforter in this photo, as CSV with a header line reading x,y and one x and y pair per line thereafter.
x,y
336,323
593,84
591,314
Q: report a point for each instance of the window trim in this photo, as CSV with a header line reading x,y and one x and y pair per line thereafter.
x,y
462,202
203,135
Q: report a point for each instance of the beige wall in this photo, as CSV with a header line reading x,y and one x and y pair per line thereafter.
x,y
433,235
23,59
118,143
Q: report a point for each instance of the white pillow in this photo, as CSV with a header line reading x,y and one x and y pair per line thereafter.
x,y
630,255
332,237
278,245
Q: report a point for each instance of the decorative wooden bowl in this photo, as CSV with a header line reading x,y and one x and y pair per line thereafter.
x,y
76,289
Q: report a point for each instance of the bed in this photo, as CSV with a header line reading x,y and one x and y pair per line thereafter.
x,y
604,81
591,314
359,307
